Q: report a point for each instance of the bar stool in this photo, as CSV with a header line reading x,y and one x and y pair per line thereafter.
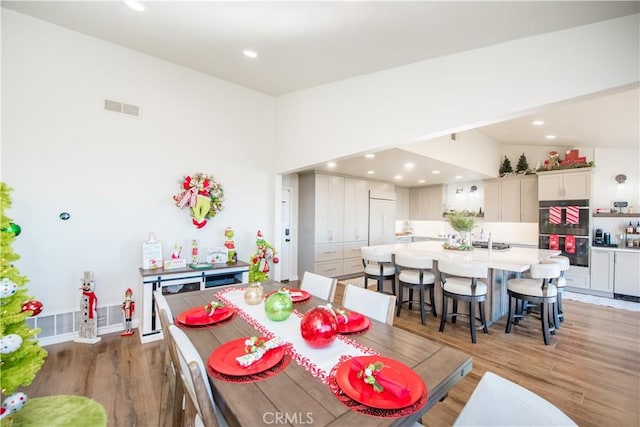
x,y
460,282
538,290
560,283
415,274
378,266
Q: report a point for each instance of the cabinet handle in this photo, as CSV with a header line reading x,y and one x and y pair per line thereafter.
x,y
330,235
329,252
329,269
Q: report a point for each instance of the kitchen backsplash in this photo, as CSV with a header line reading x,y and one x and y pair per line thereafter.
x,y
522,233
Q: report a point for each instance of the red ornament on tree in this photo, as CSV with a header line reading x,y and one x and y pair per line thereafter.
x,y
319,327
34,306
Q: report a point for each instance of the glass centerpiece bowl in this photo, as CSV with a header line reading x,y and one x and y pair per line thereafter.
x,y
462,222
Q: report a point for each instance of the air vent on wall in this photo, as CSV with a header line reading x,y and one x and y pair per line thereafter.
x,y
122,108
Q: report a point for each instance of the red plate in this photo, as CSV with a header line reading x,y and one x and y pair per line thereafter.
x,y
351,327
359,391
223,358
296,298
219,315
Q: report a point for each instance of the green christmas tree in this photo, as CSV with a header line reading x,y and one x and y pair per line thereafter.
x,y
522,166
265,254
505,168
21,357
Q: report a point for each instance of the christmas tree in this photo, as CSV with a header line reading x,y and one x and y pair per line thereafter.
x,y
265,253
523,165
505,168
21,357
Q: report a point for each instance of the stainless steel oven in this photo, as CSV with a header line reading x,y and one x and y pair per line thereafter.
x,y
564,226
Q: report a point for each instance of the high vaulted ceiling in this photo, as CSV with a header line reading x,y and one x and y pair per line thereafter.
x,y
302,44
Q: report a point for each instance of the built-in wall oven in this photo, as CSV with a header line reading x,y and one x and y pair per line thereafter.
x,y
564,226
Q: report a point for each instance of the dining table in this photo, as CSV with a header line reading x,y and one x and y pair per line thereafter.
x,y
295,394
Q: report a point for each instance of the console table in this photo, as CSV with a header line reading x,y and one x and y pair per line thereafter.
x,y
181,280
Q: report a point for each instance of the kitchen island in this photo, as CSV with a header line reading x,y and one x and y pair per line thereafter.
x,y
503,265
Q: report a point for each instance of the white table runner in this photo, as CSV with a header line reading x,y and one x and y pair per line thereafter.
x,y
317,361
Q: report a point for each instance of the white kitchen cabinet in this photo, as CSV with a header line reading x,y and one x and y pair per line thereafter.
x,y
413,204
571,184
626,275
356,210
429,202
382,222
511,200
403,203
329,206
615,271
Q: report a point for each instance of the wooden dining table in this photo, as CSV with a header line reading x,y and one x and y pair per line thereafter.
x,y
294,396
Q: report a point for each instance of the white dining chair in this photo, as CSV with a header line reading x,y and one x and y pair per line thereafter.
x,y
372,304
319,286
199,407
497,401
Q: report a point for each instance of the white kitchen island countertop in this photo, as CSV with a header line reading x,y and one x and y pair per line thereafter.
x,y
513,259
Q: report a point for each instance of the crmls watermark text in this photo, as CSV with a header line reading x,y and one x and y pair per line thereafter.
x,y
287,418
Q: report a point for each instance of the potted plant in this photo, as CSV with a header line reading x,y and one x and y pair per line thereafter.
x,y
462,222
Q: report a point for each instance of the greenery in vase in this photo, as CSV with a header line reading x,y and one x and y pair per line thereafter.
x,y
461,221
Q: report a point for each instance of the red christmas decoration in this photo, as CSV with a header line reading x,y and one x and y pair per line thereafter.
x,y
34,306
319,327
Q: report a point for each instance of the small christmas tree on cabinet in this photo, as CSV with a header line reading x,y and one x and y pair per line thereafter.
x,y
505,168
523,165
21,357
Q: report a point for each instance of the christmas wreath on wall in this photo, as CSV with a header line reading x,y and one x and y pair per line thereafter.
x,y
203,195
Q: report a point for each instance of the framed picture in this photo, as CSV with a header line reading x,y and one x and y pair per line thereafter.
x,y
217,255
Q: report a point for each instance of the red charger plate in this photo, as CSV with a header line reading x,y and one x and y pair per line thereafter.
x,y
297,298
223,358
351,327
359,391
219,315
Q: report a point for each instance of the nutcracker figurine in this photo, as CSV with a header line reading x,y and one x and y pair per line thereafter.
x,y
88,327
128,306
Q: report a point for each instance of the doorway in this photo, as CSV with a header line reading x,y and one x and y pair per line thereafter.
x,y
285,238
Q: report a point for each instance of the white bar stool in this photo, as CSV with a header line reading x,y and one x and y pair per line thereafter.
x,y
561,283
415,274
378,266
538,290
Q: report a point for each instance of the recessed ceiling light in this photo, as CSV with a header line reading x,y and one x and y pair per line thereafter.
x,y
435,172
409,165
371,172
370,156
135,5
421,181
331,164
537,123
550,136
250,53
458,176
398,177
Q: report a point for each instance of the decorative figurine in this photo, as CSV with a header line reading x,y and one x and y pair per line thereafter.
x,y
265,253
128,306
232,256
88,323
177,251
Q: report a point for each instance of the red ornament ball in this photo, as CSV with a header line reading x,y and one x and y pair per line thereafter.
x,y
34,306
319,327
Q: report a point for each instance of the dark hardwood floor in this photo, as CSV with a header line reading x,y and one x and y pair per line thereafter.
x,y
591,370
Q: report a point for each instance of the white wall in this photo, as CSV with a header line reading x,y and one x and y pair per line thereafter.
x,y
116,175
454,93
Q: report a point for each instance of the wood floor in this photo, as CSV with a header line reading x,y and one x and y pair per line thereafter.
x,y
591,370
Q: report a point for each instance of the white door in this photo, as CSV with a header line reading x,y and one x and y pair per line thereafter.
x,y
285,241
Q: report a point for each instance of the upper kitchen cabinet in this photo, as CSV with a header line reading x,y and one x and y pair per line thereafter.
x,y
571,184
511,199
426,203
356,210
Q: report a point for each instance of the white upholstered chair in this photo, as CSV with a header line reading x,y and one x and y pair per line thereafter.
x,y
460,283
372,304
537,290
497,401
560,282
319,286
378,266
200,408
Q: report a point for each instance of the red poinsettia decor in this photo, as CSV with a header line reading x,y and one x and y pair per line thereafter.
x,y
203,195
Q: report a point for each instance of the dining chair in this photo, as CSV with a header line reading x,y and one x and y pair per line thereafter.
x,y
172,392
496,401
372,304
538,290
199,407
378,266
319,286
460,283
415,273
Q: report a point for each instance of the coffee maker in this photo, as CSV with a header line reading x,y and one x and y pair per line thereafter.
x,y
598,239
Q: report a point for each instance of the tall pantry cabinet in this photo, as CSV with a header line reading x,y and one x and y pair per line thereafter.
x,y
333,217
